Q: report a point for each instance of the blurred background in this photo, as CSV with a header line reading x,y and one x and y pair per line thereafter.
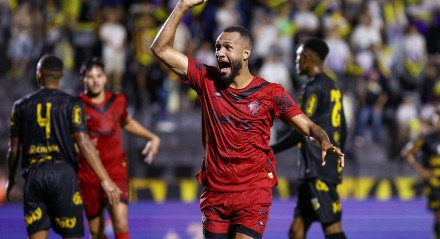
x,y
384,54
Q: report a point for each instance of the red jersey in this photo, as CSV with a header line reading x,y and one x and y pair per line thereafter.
x,y
236,129
104,125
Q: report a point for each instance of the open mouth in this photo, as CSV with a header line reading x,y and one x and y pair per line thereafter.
x,y
224,66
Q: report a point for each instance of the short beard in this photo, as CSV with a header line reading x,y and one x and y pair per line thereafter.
x,y
91,94
235,70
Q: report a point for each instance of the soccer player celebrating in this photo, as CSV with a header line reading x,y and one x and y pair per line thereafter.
x,y
106,114
44,126
321,100
428,167
238,109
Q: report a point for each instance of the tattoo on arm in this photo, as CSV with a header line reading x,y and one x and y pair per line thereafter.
x,y
319,134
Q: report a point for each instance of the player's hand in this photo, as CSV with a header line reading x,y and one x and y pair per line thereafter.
x,y
192,3
112,191
150,150
9,185
328,148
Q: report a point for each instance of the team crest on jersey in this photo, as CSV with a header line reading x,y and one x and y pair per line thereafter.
x,y
254,107
311,105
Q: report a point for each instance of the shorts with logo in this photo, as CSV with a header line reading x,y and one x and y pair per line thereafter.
x,y
94,197
318,201
245,212
52,199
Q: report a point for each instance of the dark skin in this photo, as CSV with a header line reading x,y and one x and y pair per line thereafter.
x,y
308,63
50,80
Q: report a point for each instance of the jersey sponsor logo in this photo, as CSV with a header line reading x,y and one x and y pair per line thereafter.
x,y
77,115
102,133
311,105
66,222
33,216
43,149
42,159
231,120
282,102
76,199
254,107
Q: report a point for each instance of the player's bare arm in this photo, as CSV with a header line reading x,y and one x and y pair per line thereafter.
x,y
89,152
150,150
316,135
12,157
162,45
408,153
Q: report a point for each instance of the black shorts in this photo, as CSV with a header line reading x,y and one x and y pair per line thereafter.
x,y
52,199
318,201
433,195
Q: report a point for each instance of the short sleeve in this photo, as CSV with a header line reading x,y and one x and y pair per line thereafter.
x,y
77,116
197,74
284,106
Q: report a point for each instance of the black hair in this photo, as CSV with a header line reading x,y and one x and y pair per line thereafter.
x,y
50,66
244,33
318,46
89,64
50,62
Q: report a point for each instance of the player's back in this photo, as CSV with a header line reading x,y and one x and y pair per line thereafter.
x,y
44,121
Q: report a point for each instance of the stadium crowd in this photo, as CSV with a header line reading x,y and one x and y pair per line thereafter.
x,y
385,55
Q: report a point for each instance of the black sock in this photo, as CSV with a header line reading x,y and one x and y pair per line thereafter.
x,y
338,235
437,230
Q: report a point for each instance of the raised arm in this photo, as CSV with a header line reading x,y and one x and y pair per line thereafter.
x,y
316,135
162,45
89,152
132,126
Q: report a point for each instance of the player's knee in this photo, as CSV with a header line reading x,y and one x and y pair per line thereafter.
x,y
121,225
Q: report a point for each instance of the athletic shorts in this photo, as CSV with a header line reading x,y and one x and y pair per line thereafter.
x,y
52,199
433,198
318,201
94,197
246,212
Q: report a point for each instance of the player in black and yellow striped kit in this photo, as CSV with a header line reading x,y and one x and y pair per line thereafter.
x,y
321,101
429,167
44,127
